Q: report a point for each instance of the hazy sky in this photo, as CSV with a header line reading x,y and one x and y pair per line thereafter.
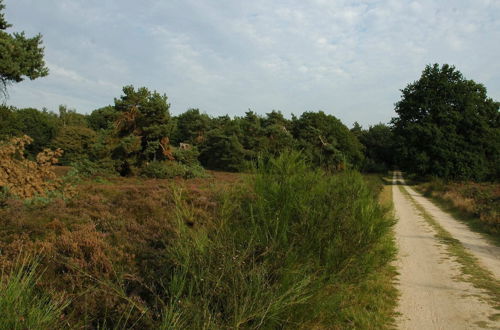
x,y
348,58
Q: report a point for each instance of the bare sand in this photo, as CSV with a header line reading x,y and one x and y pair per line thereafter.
x,y
432,295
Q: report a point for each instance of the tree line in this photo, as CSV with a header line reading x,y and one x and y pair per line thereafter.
x,y
445,126
139,130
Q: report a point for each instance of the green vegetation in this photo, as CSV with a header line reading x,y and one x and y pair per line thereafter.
x,y
290,246
23,306
448,127
301,240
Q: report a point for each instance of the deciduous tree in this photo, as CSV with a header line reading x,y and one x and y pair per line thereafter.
x,y
447,126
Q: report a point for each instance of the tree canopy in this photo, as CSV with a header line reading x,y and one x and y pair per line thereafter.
x,y
447,126
21,57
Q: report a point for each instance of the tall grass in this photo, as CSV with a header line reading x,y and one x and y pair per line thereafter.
x,y
293,233
21,305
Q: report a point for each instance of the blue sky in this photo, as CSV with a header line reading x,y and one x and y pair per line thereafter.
x,y
348,58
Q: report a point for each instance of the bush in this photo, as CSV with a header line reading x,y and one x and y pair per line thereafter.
x,y
187,156
274,251
87,168
25,178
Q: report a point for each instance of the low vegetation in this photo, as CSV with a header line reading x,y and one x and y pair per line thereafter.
x,y
287,246
476,203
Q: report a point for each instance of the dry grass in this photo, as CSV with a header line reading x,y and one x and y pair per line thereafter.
x,y
477,203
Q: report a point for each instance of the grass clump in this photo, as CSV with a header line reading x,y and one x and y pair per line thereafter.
x,y
284,252
22,305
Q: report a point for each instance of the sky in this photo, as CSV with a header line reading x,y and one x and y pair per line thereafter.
x,y
347,58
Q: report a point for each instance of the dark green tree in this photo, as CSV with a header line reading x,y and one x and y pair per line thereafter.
x,y
447,126
41,126
378,141
144,115
222,149
102,118
69,117
21,57
277,133
252,134
191,127
326,141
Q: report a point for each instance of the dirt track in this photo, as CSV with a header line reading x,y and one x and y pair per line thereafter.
x,y
432,295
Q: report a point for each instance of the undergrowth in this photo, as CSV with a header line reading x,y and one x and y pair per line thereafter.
x,y
478,204
286,254
291,247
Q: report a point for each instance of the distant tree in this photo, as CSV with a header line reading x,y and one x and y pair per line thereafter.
x,y
9,127
76,141
144,115
222,148
20,57
191,127
447,126
326,141
69,117
277,133
41,126
378,141
222,151
357,129
252,134
102,118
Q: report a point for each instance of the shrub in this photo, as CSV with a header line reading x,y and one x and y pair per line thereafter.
x,y
187,156
272,252
22,177
87,168
163,170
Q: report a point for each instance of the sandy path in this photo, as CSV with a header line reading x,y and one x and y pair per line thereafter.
x,y
431,295
487,253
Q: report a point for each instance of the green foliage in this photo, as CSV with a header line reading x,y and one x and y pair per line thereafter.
x,y
378,142
222,151
271,256
163,170
85,168
69,117
22,306
142,125
448,127
191,127
40,125
102,118
76,141
326,141
187,156
21,57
